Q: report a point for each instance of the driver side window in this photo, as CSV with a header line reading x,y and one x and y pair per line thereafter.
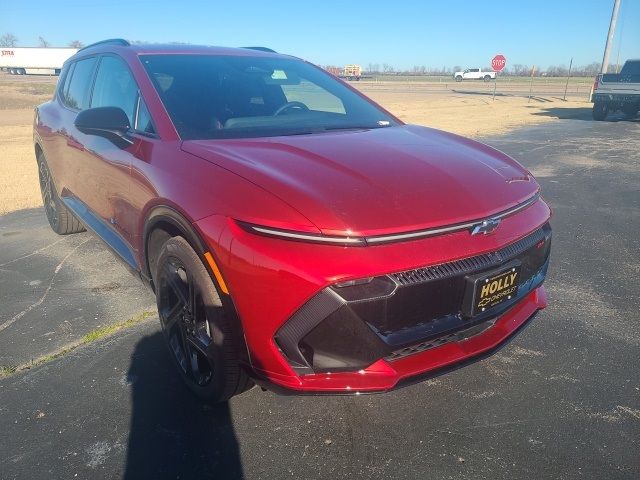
x,y
115,87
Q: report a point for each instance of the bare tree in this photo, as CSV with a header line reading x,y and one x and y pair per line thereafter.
x,y
8,40
591,69
76,44
43,43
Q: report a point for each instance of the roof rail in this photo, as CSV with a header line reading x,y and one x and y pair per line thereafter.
x,y
110,41
261,49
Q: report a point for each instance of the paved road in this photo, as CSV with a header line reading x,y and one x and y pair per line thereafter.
x,y
561,401
54,290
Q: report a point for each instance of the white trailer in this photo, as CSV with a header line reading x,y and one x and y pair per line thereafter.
x,y
33,60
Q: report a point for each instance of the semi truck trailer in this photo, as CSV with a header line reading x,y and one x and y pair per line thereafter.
x,y
33,60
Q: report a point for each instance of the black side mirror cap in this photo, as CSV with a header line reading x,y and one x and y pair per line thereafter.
x,y
108,122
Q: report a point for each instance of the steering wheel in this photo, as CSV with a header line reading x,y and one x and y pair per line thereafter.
x,y
289,106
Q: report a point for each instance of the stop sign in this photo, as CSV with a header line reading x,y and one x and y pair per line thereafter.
x,y
498,63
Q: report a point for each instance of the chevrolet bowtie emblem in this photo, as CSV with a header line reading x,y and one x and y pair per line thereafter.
x,y
485,227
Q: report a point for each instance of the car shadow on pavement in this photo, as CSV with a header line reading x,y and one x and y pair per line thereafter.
x,y
535,98
173,434
581,113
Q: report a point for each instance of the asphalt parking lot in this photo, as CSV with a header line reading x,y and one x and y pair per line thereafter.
x,y
560,401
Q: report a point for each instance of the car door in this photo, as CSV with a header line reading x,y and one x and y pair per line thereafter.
x,y
65,151
104,171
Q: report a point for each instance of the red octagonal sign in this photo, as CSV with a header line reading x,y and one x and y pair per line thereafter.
x,y
498,63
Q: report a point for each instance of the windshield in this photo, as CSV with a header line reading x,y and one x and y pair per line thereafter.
x,y
238,97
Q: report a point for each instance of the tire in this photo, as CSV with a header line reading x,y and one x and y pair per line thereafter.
x,y
487,78
600,111
22,71
195,325
630,110
58,215
458,78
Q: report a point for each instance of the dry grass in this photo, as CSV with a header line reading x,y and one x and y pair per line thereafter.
x,y
472,115
18,172
426,104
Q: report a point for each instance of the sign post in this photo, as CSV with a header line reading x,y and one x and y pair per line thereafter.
x,y
497,64
533,71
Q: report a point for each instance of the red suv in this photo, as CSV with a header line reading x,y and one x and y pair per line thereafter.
x,y
295,233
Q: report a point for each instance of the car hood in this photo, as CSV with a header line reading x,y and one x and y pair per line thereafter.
x,y
378,181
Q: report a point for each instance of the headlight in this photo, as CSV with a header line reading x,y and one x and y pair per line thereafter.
x,y
302,236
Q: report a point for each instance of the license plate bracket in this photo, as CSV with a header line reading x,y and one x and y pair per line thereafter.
x,y
490,289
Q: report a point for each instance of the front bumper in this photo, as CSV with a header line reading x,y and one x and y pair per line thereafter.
x,y
272,282
383,376
350,327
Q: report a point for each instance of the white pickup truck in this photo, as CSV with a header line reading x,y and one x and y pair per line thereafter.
x,y
617,91
474,74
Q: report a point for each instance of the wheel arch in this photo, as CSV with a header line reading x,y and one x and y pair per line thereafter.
x,y
164,222
38,148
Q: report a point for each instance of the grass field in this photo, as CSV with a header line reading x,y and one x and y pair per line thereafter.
x,y
467,108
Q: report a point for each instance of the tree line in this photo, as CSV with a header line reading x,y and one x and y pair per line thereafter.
x,y
10,40
515,70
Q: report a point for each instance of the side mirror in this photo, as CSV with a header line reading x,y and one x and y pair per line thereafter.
x,y
108,122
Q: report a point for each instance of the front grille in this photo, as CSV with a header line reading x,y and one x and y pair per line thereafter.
x,y
403,313
468,265
428,300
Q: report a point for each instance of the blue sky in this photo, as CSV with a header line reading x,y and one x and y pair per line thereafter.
x,y
402,33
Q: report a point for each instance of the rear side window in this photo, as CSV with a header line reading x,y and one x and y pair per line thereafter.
x,y
115,87
632,67
63,79
76,94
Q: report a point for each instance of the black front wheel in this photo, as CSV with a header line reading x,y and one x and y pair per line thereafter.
x,y
195,325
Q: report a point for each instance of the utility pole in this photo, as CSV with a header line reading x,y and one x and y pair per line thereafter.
x,y
566,85
612,31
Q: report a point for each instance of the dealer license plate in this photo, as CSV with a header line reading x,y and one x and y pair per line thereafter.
x,y
491,289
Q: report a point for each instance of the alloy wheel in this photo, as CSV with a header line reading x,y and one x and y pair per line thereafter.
x,y
184,321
